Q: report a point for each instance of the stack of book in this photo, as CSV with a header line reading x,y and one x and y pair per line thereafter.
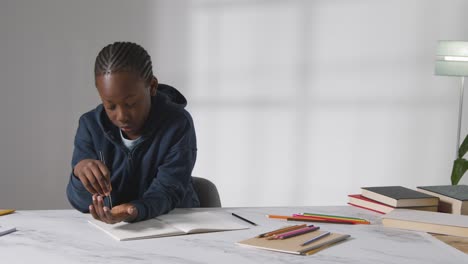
x,y
433,222
453,198
385,199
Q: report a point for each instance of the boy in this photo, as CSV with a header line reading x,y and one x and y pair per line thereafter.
x,y
138,147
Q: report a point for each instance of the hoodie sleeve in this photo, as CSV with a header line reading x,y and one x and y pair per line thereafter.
x,y
173,178
77,194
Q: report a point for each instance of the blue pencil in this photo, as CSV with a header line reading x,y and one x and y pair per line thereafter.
x,y
315,238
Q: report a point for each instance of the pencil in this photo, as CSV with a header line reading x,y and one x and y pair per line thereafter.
x,y
335,216
242,218
294,233
333,219
278,216
310,219
103,160
322,218
315,238
282,230
303,219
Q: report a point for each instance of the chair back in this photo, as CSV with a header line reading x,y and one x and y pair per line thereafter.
x,y
207,192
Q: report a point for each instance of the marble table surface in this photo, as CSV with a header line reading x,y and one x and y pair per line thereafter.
x,y
65,236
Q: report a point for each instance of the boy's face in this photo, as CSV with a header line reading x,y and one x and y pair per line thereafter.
x,y
127,100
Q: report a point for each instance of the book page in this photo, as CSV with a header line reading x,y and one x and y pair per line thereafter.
x,y
144,229
196,222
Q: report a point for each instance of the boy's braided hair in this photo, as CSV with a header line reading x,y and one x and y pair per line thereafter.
x,y
124,56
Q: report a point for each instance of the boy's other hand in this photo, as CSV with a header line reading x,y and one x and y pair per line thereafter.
x,y
119,213
94,175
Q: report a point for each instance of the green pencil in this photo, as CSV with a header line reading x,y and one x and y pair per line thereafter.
x,y
335,216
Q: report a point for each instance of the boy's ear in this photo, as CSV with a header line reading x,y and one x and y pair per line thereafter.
x,y
154,86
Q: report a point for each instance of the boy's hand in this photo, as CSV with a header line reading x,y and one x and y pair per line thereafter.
x,y
94,175
119,213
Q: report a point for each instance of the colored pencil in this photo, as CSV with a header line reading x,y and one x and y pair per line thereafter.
x,y
315,238
336,216
278,216
282,230
294,233
306,219
303,219
333,219
324,219
310,219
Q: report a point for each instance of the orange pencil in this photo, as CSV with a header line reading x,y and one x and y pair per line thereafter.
x,y
278,216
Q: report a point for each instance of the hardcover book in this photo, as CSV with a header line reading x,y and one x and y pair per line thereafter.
x,y
398,196
366,203
453,198
439,223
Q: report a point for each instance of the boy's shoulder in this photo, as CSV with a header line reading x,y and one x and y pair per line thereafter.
x,y
91,114
90,118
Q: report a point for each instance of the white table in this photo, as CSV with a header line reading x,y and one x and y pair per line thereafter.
x,y
65,236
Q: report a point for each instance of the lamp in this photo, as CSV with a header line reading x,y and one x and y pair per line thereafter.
x,y
452,60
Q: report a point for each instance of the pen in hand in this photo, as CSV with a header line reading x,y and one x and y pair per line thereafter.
x,y
103,160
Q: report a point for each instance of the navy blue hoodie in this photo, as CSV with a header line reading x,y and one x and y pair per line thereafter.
x,y
155,175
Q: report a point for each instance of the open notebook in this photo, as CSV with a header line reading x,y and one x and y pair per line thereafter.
x,y
177,222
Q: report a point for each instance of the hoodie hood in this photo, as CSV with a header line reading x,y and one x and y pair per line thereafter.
x,y
167,101
172,94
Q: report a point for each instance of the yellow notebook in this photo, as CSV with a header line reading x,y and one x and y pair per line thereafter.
x,y
293,245
6,211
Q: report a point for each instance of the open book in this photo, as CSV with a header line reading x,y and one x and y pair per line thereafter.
x,y
177,222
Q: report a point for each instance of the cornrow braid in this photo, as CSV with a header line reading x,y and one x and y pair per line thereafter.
x,y
124,56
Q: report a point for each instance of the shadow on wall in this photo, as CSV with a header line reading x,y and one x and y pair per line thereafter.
x,y
295,102
303,102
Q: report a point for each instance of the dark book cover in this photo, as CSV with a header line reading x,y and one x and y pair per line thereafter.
x,y
458,192
398,192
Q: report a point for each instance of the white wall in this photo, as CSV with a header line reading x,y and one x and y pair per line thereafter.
x,y
295,102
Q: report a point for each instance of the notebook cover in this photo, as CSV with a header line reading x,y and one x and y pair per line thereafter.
x,y
293,245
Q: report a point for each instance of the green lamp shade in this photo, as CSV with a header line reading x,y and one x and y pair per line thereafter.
x,y
452,58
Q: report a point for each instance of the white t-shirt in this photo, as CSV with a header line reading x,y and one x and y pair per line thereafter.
x,y
129,143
